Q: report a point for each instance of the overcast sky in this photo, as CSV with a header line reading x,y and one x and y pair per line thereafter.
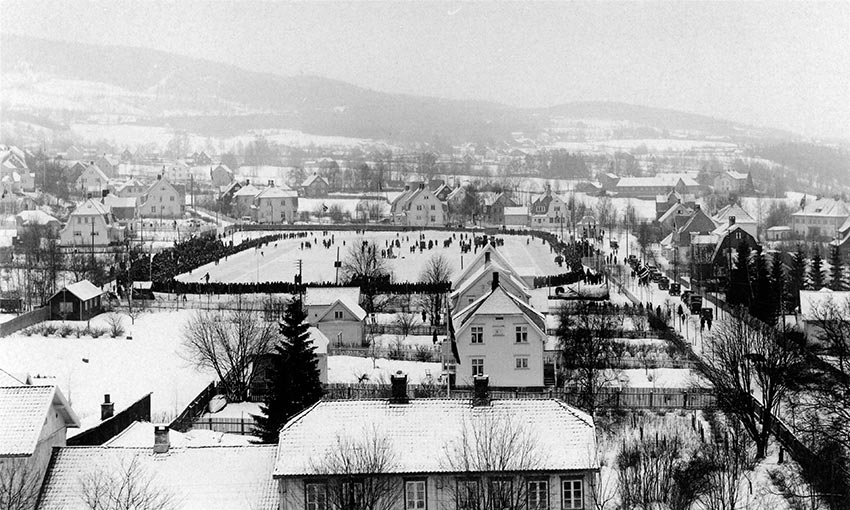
x,y
783,65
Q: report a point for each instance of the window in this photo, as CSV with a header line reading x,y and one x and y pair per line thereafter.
x,y
415,495
172,198
351,495
433,218
477,366
79,220
467,494
66,306
433,207
498,331
521,334
418,207
522,363
572,494
160,198
153,208
338,315
538,495
478,334
500,495
317,496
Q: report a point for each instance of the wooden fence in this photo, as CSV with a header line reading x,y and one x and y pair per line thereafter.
x,y
106,430
24,320
196,408
243,426
398,352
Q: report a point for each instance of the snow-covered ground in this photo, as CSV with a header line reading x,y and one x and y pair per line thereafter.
x,y
660,378
351,369
87,368
277,261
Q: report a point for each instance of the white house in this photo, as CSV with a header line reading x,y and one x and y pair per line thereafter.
x,y
336,312
816,305
33,420
742,219
477,283
502,336
91,224
731,181
221,175
92,181
417,206
820,218
243,199
275,204
429,458
549,211
162,200
516,217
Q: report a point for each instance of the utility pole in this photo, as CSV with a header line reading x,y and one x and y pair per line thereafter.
x,y
337,265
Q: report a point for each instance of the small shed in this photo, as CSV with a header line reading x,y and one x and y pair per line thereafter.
x,y
143,290
79,301
779,233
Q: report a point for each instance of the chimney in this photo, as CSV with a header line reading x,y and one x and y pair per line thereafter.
x,y
486,257
495,284
696,207
247,182
407,187
159,177
271,182
731,220
481,395
421,185
399,388
107,408
161,443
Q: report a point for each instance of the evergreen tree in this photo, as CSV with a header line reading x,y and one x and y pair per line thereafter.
x,y
816,276
778,290
761,305
836,281
796,278
739,292
294,383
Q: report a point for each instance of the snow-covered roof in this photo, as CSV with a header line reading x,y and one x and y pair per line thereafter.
x,y
232,477
656,181
516,211
825,207
310,180
319,339
323,296
356,310
741,216
36,217
248,190
83,289
114,201
496,257
276,192
140,434
499,302
736,175
485,271
812,300
779,228
23,411
421,435
673,210
90,207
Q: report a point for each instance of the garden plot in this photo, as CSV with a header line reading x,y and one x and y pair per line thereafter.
x,y
86,368
277,261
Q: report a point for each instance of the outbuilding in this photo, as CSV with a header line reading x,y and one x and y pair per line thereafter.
x,y
79,302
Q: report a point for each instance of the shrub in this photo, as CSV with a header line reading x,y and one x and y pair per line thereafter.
x,y
114,324
65,330
423,353
48,329
97,332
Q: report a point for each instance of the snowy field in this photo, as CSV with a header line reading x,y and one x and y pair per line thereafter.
x,y
86,368
277,261
352,369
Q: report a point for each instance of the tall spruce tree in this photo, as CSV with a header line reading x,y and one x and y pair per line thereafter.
x,y
836,271
294,383
778,289
739,291
797,277
761,305
816,276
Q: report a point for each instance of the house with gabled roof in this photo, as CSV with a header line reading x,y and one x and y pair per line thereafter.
x,y
221,175
162,200
494,207
665,201
487,255
502,336
433,461
477,283
131,188
677,244
243,199
315,186
108,165
336,312
417,206
122,208
91,224
549,210
732,181
78,301
33,421
676,216
203,159
650,187
92,182
735,214
193,477
821,218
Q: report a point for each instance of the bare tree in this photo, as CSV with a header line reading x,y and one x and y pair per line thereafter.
x,y
586,337
115,323
731,460
19,485
229,343
492,455
832,318
405,322
363,266
359,473
437,270
751,366
129,487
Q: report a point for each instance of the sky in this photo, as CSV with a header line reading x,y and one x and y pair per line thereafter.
x,y
783,65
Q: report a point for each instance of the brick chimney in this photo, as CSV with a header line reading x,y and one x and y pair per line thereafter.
x,y
486,257
731,220
107,408
399,388
161,443
495,284
481,393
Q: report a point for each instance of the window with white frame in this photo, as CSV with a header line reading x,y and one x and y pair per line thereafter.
x,y
468,495
338,315
477,366
572,494
538,495
316,496
521,334
521,362
477,334
415,495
